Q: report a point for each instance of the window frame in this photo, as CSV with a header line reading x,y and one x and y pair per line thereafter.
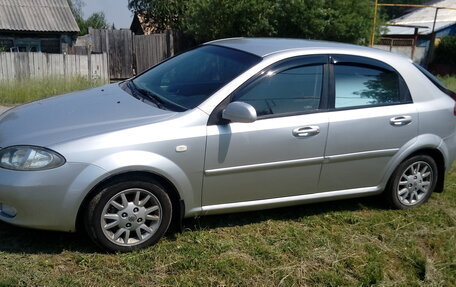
x,y
364,62
328,94
278,67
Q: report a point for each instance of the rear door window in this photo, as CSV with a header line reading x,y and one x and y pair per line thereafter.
x,y
357,86
360,82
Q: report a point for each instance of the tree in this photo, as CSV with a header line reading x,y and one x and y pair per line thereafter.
x,y
76,9
338,20
162,14
97,20
209,19
445,53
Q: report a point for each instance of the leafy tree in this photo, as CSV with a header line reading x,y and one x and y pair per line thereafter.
x,y
162,14
445,52
97,20
76,9
338,20
211,19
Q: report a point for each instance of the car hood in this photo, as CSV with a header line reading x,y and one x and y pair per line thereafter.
x,y
76,115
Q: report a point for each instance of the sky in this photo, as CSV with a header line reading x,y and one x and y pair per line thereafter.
x,y
116,11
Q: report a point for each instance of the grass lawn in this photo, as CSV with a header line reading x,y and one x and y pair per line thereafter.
x,y
449,81
12,93
349,243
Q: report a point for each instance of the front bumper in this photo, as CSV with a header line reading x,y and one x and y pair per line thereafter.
x,y
48,199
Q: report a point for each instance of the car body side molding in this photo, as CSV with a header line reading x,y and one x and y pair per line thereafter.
x,y
290,200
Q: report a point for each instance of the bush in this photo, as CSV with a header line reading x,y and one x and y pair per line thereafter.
x,y
445,52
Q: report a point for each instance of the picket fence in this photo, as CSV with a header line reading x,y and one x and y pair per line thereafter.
x,y
20,66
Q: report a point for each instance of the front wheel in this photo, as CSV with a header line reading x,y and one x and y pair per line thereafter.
x,y
128,215
413,182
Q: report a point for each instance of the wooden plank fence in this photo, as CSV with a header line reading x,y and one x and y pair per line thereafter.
x,y
110,55
23,66
118,44
131,54
151,50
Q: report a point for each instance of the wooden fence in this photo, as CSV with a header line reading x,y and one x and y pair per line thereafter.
x,y
131,54
106,54
151,50
118,44
23,66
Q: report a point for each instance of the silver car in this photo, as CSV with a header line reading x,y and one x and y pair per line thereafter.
x,y
233,125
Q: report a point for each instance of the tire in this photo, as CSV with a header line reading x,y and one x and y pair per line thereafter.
x,y
128,215
412,183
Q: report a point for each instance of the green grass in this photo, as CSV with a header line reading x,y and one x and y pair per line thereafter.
x,y
449,81
12,93
344,243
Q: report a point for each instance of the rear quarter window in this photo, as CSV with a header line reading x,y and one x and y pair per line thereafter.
x,y
436,81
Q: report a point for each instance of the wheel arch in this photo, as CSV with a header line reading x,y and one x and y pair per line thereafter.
x,y
426,144
176,200
437,156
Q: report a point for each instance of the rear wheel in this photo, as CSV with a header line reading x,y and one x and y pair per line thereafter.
x,y
413,182
129,215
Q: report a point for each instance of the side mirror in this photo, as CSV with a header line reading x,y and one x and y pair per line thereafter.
x,y
239,112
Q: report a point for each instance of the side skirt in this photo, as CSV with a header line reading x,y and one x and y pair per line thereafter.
x,y
285,201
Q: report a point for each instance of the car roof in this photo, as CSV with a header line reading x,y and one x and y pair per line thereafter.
x,y
266,46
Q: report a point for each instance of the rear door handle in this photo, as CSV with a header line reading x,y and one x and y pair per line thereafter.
x,y
306,131
400,121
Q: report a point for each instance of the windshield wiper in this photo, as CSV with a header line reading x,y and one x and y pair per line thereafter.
x,y
134,91
153,98
142,94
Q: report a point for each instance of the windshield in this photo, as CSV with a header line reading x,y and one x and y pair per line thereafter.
x,y
185,81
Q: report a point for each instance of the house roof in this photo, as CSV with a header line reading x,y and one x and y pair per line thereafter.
x,y
425,17
37,16
142,25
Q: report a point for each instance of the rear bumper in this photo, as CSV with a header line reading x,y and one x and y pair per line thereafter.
x,y
450,145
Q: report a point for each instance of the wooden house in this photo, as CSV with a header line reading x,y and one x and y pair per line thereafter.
x,y
36,26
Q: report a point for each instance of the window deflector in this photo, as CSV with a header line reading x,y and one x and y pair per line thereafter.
x,y
294,62
360,61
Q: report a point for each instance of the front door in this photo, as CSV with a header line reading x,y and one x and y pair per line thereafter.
x,y
281,153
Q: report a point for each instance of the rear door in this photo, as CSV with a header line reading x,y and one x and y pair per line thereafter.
x,y
373,117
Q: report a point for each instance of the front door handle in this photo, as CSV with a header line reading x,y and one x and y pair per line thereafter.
x,y
306,131
400,121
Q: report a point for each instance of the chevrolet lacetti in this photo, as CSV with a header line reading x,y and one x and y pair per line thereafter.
x,y
232,125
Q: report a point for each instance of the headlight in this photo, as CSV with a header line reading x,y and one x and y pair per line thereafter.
x,y
29,158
